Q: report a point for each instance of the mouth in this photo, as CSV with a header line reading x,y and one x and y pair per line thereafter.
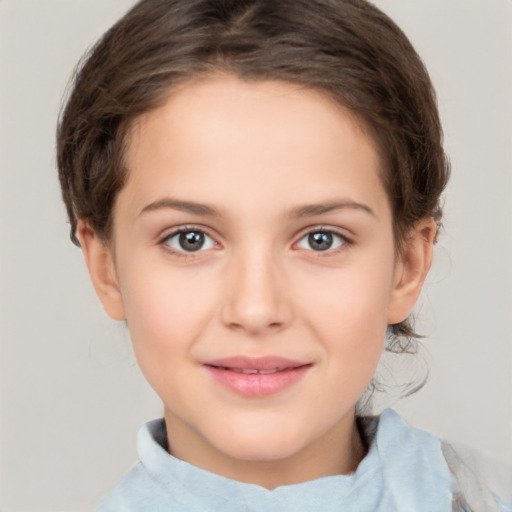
x,y
257,377
250,371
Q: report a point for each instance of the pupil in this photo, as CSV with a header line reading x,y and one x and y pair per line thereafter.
x,y
320,241
191,241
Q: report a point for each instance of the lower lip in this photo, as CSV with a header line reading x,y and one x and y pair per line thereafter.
x,y
258,385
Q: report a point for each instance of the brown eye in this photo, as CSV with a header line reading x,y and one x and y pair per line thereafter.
x,y
320,241
189,241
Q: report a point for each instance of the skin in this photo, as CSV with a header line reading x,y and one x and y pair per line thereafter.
x,y
258,156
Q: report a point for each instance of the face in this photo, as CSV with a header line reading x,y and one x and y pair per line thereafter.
x,y
253,259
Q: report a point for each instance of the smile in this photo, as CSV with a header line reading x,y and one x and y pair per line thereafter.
x,y
252,371
256,377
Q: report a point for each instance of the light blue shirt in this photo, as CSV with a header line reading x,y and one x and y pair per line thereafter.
x,y
404,471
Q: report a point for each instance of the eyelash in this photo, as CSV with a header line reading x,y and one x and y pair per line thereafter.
x,y
164,241
342,243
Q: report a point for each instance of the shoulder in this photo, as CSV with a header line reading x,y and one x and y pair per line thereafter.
x,y
414,472
481,482
140,489
474,482
159,482
132,493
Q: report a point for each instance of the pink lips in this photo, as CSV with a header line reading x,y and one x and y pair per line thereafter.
x,y
256,377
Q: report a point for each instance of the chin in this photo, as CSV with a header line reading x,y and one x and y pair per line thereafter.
x,y
262,445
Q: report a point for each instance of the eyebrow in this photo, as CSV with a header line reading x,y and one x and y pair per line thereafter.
x,y
311,210
184,206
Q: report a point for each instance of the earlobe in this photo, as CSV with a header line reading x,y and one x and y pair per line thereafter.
x,y
411,270
100,263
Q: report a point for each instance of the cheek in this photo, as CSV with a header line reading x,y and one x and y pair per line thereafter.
x,y
355,341
353,299
349,313
166,311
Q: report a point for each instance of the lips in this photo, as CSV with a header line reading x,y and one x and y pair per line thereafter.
x,y
250,371
256,377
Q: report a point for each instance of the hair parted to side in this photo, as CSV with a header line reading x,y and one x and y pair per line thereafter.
x,y
347,49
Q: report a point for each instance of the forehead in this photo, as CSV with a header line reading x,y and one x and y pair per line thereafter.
x,y
251,135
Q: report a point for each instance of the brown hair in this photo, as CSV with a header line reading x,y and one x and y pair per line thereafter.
x,y
347,49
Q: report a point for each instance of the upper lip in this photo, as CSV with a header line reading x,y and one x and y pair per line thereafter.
x,y
256,363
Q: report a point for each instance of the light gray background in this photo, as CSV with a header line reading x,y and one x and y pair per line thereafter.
x,y
72,397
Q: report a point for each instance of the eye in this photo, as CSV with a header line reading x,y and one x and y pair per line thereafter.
x,y
321,241
189,240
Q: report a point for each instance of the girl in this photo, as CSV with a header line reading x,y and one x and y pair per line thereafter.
x,y
256,189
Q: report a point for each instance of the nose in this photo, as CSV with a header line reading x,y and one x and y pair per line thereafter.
x,y
256,299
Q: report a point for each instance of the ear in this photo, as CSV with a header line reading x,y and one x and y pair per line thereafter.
x,y
100,263
411,269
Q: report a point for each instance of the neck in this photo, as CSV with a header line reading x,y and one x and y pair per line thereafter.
x,y
337,452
